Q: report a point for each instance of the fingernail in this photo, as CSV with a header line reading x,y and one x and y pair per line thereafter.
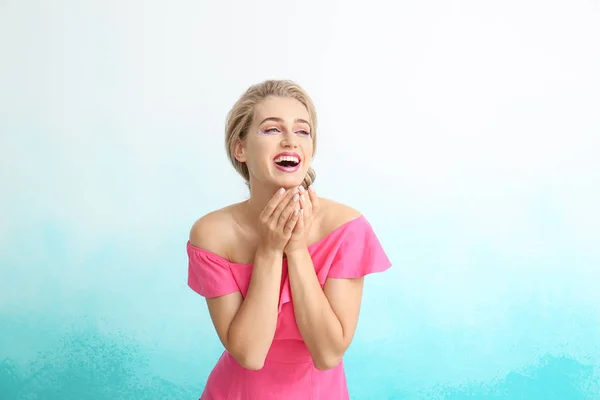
x,y
302,197
280,191
295,212
296,197
311,188
301,188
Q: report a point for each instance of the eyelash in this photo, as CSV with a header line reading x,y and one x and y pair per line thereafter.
x,y
269,132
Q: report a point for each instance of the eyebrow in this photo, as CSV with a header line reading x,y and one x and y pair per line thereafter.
x,y
280,120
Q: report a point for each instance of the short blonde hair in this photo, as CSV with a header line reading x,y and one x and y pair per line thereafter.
x,y
241,115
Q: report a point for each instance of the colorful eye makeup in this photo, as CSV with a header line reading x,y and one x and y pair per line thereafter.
x,y
275,131
269,131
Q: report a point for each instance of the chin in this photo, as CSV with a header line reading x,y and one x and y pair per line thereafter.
x,y
289,181
289,185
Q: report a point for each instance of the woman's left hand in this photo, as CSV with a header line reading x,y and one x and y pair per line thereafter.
x,y
309,205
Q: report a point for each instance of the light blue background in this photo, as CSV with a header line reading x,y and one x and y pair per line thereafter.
x,y
467,132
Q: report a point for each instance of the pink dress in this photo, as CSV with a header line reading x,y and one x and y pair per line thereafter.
x,y
350,251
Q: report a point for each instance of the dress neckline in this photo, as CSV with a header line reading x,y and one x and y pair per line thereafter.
x,y
310,247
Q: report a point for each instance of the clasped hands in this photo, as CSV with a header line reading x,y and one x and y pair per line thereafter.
x,y
287,218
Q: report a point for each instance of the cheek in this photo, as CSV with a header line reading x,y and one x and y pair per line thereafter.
x,y
308,149
257,151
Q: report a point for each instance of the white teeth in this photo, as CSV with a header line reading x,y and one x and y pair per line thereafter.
x,y
287,158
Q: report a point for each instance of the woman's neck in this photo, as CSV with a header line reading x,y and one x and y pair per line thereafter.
x,y
259,197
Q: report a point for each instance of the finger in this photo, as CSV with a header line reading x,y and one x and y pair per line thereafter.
x,y
300,225
305,203
283,204
291,223
288,210
314,199
272,204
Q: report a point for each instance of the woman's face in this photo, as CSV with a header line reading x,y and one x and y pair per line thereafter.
x,y
278,148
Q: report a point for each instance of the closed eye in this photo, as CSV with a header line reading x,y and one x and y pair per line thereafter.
x,y
272,131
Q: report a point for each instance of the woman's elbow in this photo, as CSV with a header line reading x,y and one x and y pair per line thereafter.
x,y
249,362
253,365
247,357
325,364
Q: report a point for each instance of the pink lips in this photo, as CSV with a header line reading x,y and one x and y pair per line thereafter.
x,y
287,169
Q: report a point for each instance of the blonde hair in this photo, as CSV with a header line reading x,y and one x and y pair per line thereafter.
x,y
241,115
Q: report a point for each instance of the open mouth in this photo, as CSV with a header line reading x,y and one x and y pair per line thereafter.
x,y
287,162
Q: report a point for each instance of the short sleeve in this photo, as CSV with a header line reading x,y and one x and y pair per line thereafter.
x,y
208,274
360,253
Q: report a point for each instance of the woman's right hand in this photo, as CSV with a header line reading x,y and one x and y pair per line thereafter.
x,y
278,219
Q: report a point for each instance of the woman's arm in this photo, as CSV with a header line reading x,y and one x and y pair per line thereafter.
x,y
246,327
327,318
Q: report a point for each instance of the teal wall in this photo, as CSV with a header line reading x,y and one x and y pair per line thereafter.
x,y
467,133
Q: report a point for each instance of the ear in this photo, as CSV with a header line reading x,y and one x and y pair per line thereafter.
x,y
240,151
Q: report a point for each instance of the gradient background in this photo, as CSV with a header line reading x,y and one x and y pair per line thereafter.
x,y
467,132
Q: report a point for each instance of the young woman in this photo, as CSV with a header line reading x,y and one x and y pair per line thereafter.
x,y
282,272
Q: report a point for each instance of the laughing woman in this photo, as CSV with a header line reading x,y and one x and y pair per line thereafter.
x,y
282,272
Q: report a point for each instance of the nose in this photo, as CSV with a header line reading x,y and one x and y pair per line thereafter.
x,y
288,140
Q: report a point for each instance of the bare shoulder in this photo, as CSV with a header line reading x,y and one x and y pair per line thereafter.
x,y
211,231
334,214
